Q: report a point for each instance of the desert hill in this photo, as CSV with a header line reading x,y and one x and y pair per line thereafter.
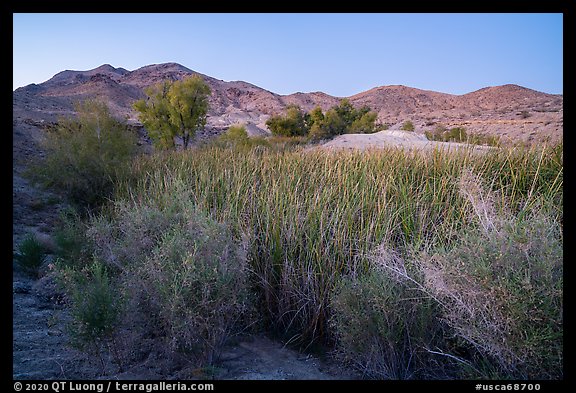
x,y
513,112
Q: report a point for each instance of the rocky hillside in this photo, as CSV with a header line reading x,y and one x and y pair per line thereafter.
x,y
513,112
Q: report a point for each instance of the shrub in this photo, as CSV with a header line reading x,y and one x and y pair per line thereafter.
x,y
500,287
407,126
72,247
85,155
30,255
459,134
525,114
182,273
96,307
237,137
292,124
382,324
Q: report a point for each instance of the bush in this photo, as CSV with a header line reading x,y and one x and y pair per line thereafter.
x,y
182,273
459,134
237,138
383,325
95,304
72,247
85,155
96,308
292,124
407,126
500,288
30,255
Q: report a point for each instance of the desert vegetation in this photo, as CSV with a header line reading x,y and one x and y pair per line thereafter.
x,y
343,118
173,109
459,134
403,264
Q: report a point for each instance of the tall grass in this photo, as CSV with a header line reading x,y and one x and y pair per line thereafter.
x,y
309,218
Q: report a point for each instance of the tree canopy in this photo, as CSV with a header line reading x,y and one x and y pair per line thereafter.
x,y
340,119
173,109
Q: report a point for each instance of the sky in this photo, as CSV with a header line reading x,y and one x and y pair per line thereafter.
x,y
339,54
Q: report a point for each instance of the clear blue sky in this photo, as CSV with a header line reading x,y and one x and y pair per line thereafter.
x,y
340,54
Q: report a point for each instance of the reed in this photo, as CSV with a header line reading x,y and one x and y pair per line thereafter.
x,y
310,217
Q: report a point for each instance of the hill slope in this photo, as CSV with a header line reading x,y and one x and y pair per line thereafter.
x,y
511,111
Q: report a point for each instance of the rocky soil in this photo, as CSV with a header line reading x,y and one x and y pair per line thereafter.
x,y
42,351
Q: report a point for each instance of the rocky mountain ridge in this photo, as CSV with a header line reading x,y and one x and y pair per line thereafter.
x,y
515,113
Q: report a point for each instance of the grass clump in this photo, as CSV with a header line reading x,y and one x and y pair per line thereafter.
x,y
407,126
30,255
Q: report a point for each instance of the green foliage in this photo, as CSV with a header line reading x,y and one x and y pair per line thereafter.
x,y
459,134
30,255
292,124
154,114
85,155
345,119
95,304
237,138
407,126
365,124
174,109
340,119
331,125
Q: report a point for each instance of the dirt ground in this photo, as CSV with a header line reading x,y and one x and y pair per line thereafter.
x,y
42,351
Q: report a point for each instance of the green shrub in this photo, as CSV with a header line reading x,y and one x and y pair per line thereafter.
x,y
72,247
85,155
459,134
30,255
96,307
407,126
292,124
95,304
237,137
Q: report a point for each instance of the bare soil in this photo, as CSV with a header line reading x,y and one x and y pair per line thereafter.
x,y
42,350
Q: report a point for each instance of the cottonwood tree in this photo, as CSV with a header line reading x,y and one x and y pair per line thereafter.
x,y
173,109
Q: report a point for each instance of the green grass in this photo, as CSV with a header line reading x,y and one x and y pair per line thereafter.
x,y
311,217
318,228
30,255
